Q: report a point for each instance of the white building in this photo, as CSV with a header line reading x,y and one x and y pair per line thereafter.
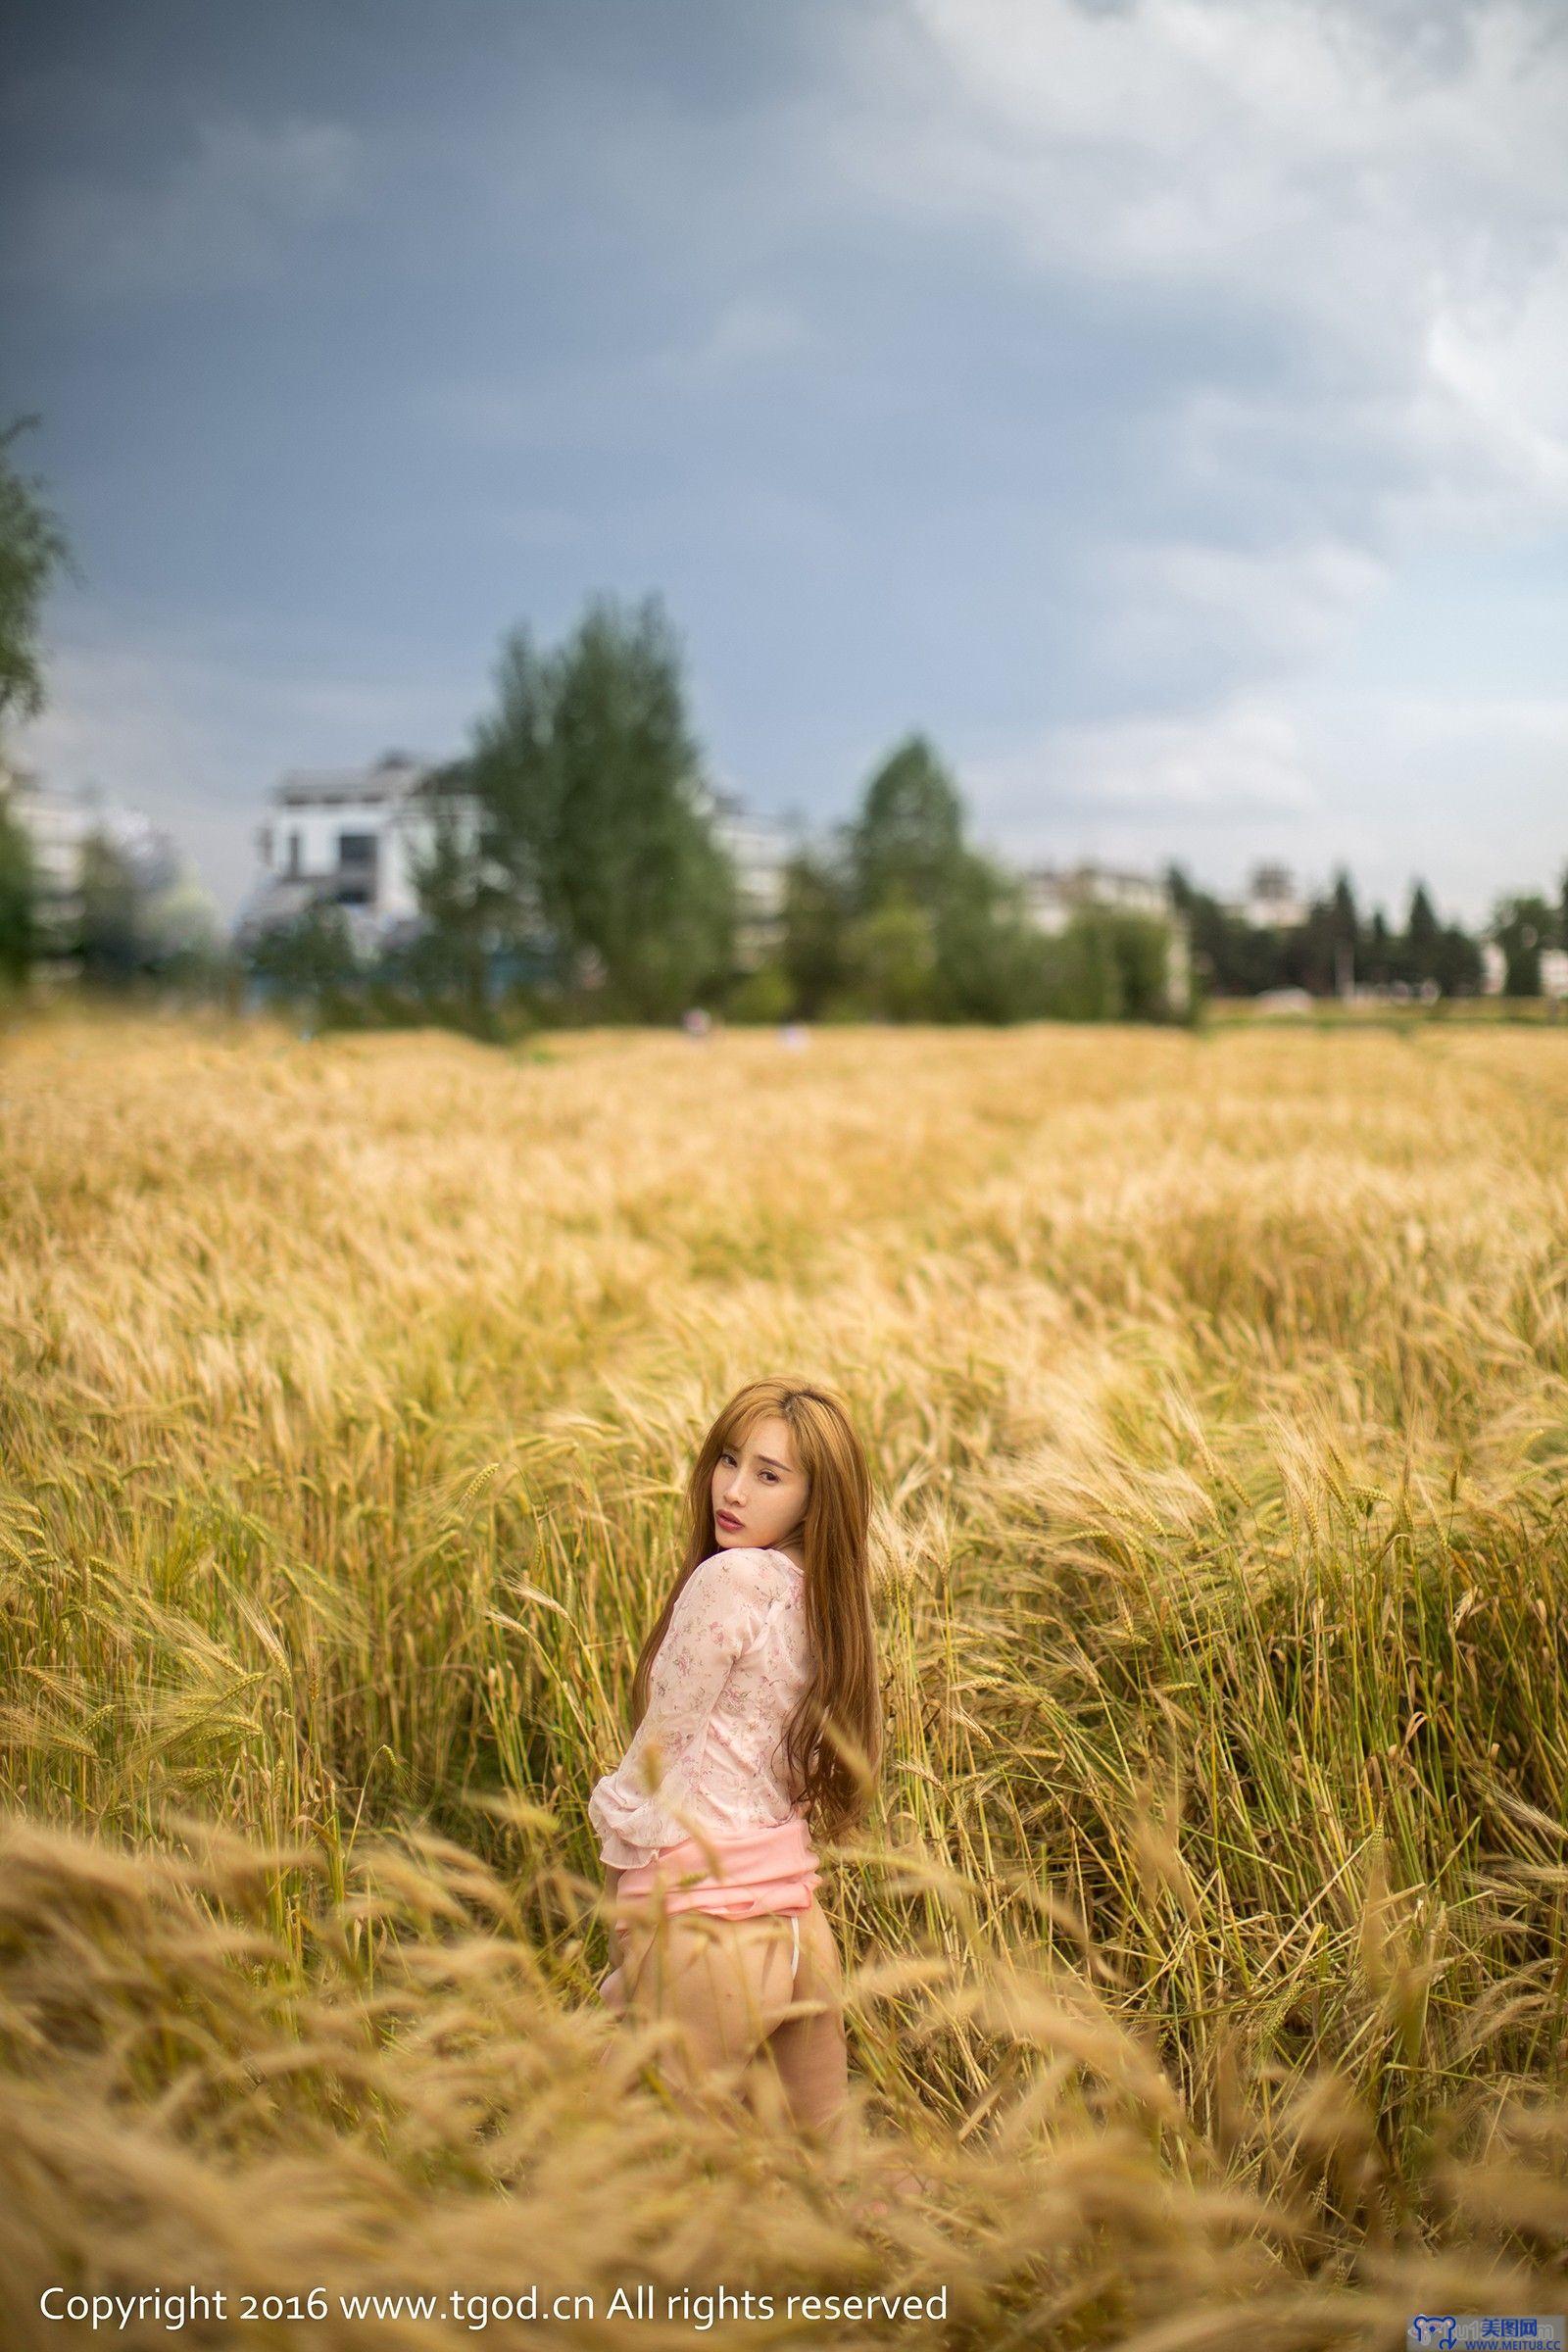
x,y
759,851
352,838
1555,973
1054,894
56,824
175,908
1271,901
349,838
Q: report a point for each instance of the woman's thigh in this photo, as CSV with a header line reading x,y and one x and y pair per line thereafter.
x,y
808,2049
723,1983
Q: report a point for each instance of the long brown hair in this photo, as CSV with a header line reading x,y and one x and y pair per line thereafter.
x,y
833,1741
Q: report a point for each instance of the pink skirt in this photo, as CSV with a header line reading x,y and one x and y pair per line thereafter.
x,y
734,1874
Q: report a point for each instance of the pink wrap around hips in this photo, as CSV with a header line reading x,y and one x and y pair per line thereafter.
x,y
731,1875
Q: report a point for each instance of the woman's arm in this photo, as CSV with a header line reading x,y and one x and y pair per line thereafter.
x,y
721,1611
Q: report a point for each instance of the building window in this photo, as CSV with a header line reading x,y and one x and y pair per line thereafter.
x,y
294,853
356,852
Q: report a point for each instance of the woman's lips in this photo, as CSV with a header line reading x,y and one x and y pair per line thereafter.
x,y
728,1519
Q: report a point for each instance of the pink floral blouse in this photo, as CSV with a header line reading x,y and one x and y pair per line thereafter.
x,y
708,1751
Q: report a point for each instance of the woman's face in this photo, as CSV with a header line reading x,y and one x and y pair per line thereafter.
x,y
759,1490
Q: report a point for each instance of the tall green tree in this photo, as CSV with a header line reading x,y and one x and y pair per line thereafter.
x,y
32,547
815,917
1344,932
112,942
1521,927
990,959
1382,951
1232,957
906,857
908,832
1423,938
466,912
1320,956
1086,979
1457,964
590,783
310,958
18,896
892,958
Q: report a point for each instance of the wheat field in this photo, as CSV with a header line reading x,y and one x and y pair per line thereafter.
x,y
1206,1947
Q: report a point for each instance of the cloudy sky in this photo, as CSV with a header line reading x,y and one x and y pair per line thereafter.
x,y
1162,403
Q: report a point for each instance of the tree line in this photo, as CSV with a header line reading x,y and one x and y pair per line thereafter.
x,y
574,870
1335,947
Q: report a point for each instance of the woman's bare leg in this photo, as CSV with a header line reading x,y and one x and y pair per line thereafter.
x,y
810,2051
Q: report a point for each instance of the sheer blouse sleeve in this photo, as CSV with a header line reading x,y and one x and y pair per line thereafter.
x,y
644,1804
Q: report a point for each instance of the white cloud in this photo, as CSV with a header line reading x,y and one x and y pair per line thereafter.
x,y
229,212
1346,224
1259,607
1399,203
1244,759
747,333
1386,784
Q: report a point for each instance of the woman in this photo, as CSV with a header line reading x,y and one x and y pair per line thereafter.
x,y
757,1716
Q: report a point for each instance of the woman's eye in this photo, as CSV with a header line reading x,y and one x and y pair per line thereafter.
x,y
771,1476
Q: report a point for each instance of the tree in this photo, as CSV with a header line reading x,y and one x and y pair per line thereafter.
x,y
1235,957
589,782
18,897
989,957
1423,934
1086,982
311,956
1521,927
908,832
183,932
1382,954
892,958
463,908
814,919
31,548
1456,963
1313,957
1141,946
1344,933
110,940
905,856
